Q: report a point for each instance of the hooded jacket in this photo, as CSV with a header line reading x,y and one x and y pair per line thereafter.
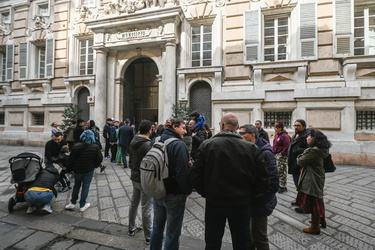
x,y
312,178
229,170
178,160
265,202
281,143
139,147
85,157
47,178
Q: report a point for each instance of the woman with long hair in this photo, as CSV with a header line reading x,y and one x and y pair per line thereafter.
x,y
311,181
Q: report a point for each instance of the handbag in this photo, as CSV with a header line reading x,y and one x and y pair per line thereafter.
x,y
329,167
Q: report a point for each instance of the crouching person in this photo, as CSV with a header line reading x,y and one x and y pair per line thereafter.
x,y
42,190
84,158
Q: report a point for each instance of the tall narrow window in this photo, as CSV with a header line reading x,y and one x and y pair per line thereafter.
x,y
3,66
86,64
42,62
364,30
201,45
275,38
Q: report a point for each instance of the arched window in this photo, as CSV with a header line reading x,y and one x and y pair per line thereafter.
x,y
200,99
82,102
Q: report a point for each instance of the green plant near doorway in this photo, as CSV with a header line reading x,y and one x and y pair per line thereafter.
x,y
71,112
182,111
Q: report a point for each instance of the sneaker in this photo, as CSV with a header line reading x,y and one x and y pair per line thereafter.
x,y
47,209
64,189
282,190
131,232
86,206
30,210
298,210
147,241
70,206
102,167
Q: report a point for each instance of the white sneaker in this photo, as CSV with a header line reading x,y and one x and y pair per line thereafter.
x,y
70,206
86,206
30,210
47,208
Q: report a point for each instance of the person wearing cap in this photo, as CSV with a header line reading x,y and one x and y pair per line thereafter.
x,y
126,135
106,135
84,158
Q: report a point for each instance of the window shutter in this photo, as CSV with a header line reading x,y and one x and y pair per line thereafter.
x,y
343,39
308,30
50,57
22,63
251,50
9,62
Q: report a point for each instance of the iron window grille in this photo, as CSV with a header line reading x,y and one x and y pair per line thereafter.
x,y
2,118
270,118
365,120
38,119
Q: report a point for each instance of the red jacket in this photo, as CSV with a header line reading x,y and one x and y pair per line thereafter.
x,y
281,143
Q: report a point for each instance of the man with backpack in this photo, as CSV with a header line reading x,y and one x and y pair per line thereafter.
x,y
170,209
281,143
139,147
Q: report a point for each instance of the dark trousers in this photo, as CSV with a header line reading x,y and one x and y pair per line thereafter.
x,y
113,152
258,233
106,148
296,178
238,220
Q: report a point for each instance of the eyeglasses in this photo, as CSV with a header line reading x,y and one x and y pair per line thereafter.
x,y
243,133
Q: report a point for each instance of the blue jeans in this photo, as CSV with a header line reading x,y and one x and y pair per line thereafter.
x,y
171,210
123,155
85,181
41,197
238,219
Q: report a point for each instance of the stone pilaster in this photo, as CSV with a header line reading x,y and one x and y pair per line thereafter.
x,y
169,80
100,87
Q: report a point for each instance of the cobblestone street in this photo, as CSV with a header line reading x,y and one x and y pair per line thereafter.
x,y
349,200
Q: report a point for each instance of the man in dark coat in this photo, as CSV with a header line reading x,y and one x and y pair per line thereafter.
x,y
78,130
53,149
227,171
198,137
125,136
106,135
42,190
139,147
262,133
264,203
297,146
84,158
113,140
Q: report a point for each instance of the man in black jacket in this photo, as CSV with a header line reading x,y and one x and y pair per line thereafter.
x,y
42,190
84,158
78,130
139,147
106,135
198,137
53,148
227,171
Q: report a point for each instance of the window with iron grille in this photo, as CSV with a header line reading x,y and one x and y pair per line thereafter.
x,y
270,118
365,120
2,118
38,119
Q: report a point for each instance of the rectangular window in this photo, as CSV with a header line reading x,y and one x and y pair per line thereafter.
x,y
86,62
37,119
270,118
201,46
2,118
364,30
3,66
365,120
275,38
42,62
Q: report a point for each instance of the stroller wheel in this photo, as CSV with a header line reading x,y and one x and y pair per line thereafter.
x,y
11,204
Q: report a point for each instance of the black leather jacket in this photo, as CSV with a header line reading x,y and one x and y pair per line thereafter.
x,y
47,178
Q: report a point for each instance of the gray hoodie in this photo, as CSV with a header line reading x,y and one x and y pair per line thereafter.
x,y
139,147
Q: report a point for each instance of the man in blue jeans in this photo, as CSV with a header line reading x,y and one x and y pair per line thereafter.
x,y
125,136
42,190
170,210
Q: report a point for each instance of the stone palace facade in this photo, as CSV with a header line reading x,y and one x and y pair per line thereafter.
x,y
273,60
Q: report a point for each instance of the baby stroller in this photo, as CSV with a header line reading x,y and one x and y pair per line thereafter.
x,y
24,168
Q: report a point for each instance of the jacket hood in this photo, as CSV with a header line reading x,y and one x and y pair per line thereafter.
x,y
323,151
263,145
228,132
169,133
283,132
138,141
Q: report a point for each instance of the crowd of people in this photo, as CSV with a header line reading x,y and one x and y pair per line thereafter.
x,y
237,171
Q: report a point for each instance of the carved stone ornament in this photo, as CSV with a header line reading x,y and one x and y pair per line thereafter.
x,y
83,13
39,23
5,29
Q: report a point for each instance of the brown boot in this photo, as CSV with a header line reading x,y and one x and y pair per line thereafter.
x,y
315,227
323,223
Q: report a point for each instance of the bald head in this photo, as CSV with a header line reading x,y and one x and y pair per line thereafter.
x,y
229,121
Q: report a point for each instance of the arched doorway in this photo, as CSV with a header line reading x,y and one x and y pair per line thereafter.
x,y
141,91
200,99
82,102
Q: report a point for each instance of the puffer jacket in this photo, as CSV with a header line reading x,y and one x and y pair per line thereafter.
x,y
139,147
312,178
297,146
178,160
47,178
229,170
85,157
264,203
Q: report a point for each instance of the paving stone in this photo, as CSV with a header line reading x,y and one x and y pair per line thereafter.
x,y
353,242
11,238
92,224
109,215
115,185
36,240
123,201
6,227
104,191
106,202
84,246
62,244
117,193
